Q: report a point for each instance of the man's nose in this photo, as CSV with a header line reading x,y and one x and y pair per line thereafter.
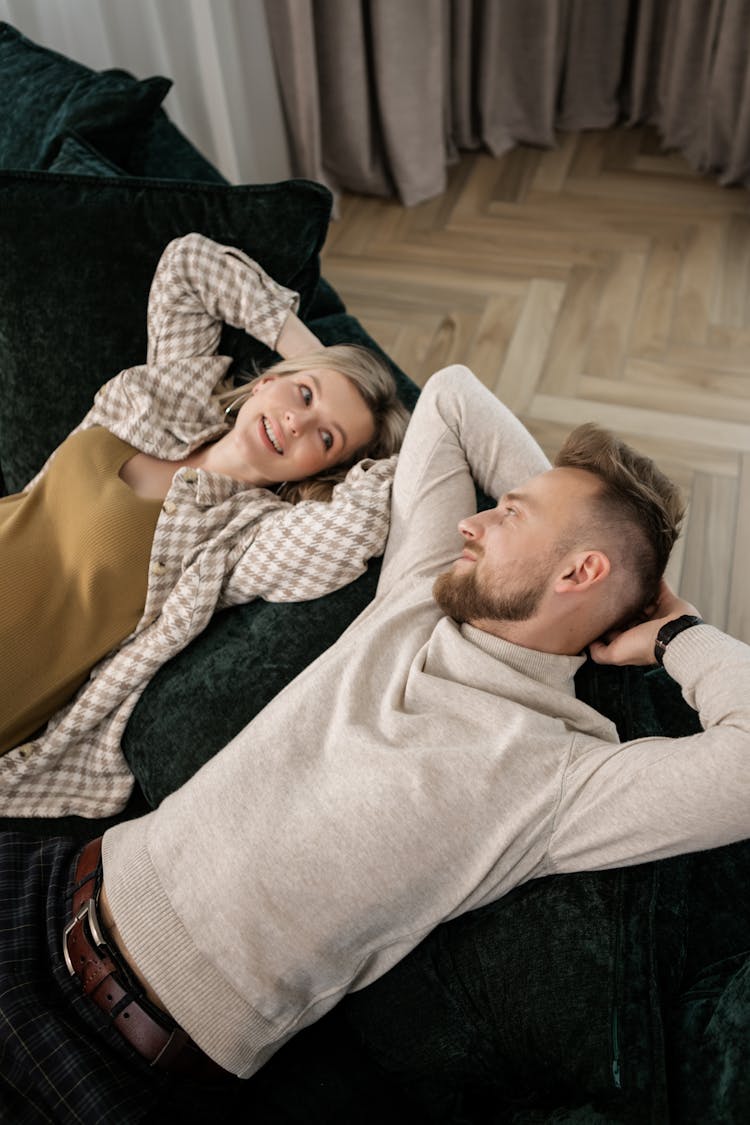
x,y
472,527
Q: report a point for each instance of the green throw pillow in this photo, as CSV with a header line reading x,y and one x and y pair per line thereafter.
x,y
43,95
78,156
159,149
78,255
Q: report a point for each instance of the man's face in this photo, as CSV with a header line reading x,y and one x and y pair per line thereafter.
x,y
513,552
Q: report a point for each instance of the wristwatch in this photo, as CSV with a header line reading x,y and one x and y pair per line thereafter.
x,y
669,631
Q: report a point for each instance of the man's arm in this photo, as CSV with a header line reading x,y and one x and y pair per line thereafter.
x,y
636,645
657,797
459,431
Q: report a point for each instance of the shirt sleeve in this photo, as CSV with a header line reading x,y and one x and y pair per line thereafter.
x,y
309,549
655,797
459,433
198,285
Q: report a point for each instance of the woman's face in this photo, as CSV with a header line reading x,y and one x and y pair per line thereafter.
x,y
295,426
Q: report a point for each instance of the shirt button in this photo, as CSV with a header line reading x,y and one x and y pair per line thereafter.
x,y
24,751
158,568
169,507
190,475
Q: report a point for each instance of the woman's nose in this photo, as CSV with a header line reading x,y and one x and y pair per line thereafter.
x,y
295,424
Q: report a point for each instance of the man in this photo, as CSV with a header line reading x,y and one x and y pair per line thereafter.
x,y
431,760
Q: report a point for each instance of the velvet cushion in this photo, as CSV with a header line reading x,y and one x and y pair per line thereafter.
x,y
43,94
78,256
78,156
159,149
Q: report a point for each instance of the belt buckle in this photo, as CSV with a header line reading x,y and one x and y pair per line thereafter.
x,y
86,912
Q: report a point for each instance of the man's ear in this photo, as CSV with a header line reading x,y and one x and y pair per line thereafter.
x,y
582,571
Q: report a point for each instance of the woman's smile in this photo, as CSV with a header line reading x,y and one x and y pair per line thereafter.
x,y
270,435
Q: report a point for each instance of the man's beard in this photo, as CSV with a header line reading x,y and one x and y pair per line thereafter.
x,y
463,598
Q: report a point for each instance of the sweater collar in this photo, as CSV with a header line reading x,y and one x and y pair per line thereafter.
x,y
546,668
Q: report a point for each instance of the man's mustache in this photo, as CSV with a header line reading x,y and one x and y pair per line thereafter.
x,y
475,549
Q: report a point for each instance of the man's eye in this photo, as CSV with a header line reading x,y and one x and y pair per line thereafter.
x,y
511,512
327,439
306,394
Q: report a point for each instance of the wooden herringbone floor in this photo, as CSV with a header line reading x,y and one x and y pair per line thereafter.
x,y
603,280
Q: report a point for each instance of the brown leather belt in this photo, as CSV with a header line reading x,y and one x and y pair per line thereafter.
x,y
91,956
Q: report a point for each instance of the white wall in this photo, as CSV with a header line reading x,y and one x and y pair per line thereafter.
x,y
225,95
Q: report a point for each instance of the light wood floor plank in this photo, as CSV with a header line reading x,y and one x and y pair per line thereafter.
x,y
524,362
637,420
655,387
733,283
655,313
570,339
612,322
554,165
700,264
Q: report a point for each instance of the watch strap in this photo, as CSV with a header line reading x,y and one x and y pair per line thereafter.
x,y
672,629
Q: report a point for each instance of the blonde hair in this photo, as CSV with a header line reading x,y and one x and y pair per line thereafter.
x,y
636,500
375,383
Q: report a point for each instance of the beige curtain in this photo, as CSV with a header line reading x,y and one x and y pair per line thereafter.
x,y
379,95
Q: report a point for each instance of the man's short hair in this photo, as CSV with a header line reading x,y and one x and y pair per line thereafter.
x,y
637,502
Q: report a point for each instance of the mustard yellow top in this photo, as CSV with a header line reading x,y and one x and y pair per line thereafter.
x,y
74,555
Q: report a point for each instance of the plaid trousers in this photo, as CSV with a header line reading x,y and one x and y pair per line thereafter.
x,y
62,1064
60,1061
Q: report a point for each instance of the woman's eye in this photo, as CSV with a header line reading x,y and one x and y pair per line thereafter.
x,y
327,439
306,394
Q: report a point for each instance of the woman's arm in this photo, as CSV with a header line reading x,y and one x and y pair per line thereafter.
x,y
459,433
296,338
198,285
305,550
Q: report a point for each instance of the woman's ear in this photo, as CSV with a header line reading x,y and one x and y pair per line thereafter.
x,y
583,571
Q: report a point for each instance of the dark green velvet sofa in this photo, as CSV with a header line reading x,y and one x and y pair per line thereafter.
x,y
621,996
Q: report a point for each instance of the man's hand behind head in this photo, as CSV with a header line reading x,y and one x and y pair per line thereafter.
x,y
635,645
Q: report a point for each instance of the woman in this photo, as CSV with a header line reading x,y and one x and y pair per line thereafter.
x,y
172,499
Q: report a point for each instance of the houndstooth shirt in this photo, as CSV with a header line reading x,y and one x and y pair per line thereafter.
x,y
217,542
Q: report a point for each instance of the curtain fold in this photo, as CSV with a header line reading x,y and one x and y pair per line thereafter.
x,y
380,95
592,62
728,147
